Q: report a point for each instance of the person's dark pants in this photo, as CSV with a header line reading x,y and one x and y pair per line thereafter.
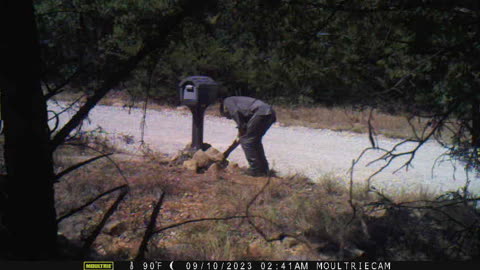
x,y
251,142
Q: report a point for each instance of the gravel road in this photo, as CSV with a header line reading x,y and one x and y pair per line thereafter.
x,y
312,152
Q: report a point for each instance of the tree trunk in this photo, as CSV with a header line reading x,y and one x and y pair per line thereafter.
x,y
30,215
475,122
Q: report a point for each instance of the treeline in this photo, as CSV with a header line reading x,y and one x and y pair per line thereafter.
x,y
303,51
419,57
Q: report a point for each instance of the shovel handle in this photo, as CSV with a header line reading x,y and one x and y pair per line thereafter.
x,y
231,148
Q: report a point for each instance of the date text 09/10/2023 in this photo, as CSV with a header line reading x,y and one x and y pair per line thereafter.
x,y
278,265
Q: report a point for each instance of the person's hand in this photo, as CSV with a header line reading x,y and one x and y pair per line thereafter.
x,y
241,132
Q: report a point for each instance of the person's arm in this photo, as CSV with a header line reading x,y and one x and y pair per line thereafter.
x,y
241,125
242,130
234,114
230,149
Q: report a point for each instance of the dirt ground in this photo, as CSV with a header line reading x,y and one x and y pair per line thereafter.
x,y
189,198
226,215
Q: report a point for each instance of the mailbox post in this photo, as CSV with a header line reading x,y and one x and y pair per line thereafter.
x,y
198,92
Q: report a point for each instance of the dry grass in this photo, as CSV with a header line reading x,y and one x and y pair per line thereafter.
x,y
336,118
343,119
317,218
348,119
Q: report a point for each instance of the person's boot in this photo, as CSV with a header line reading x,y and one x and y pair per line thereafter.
x,y
255,173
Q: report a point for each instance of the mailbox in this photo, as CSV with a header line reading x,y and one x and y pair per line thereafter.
x,y
198,90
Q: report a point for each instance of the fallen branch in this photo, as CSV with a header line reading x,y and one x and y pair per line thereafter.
x,y
89,241
247,211
78,209
350,199
150,229
436,206
196,221
281,236
78,165
107,156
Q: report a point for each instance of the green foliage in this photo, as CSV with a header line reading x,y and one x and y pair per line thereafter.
x,y
417,55
87,38
315,51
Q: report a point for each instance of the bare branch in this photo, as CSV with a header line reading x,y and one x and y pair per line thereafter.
x,y
439,204
395,86
110,82
78,165
70,106
433,205
414,130
107,156
150,228
57,120
371,131
281,236
55,91
390,155
350,199
56,115
89,241
196,221
78,209
123,68
247,211
145,105
441,159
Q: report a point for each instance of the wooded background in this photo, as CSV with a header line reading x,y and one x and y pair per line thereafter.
x,y
413,57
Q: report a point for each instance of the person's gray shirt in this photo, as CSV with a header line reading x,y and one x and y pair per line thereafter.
x,y
242,109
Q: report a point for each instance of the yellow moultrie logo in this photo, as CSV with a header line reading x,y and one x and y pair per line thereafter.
x,y
97,265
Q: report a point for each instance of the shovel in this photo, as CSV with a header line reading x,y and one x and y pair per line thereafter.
x,y
229,150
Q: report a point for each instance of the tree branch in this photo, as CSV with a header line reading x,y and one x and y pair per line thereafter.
x,y
150,229
78,165
122,69
390,155
281,236
89,241
55,91
113,79
248,216
107,156
78,209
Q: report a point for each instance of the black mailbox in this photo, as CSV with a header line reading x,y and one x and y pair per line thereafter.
x,y
197,92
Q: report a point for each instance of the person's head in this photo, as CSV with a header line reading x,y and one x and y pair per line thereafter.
x,y
222,110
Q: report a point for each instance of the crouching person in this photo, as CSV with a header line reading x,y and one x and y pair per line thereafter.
x,y
253,117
